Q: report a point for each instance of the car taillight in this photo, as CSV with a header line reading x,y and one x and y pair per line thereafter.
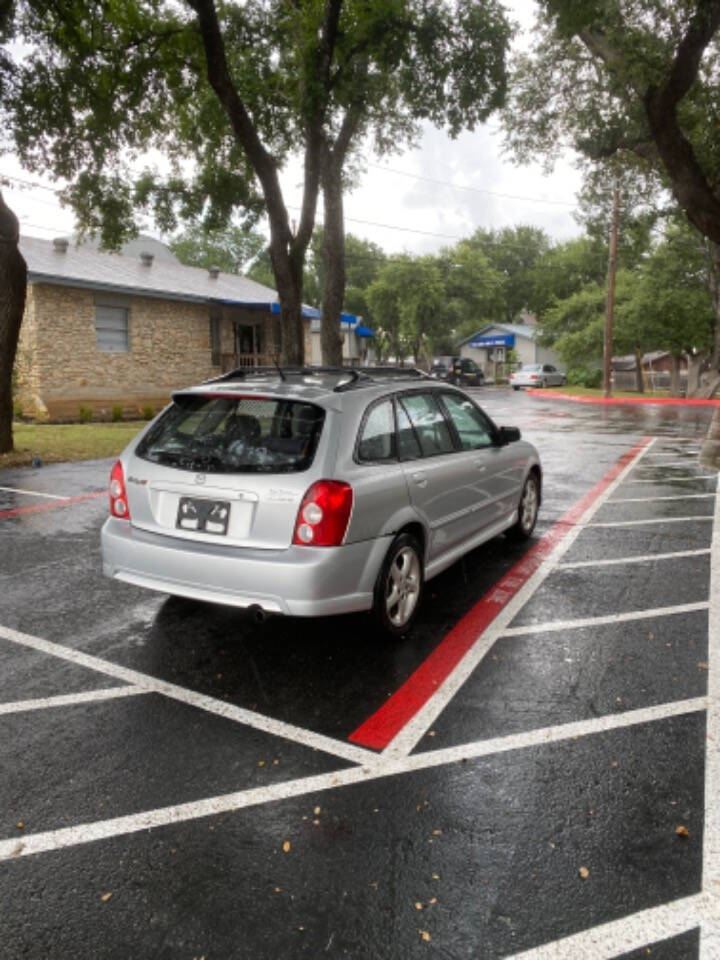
x,y
533,376
324,514
118,495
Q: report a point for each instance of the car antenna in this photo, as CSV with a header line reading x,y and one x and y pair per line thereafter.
x,y
278,368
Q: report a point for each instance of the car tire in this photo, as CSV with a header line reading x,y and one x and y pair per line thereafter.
x,y
516,388
399,586
543,384
527,508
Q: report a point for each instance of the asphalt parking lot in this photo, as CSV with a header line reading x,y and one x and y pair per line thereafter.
x,y
530,773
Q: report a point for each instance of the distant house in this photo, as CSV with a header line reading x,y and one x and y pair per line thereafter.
x,y
106,329
356,341
489,347
657,369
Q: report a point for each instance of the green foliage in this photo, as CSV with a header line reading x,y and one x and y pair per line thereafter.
x,y
363,261
514,253
669,307
85,414
110,79
589,81
230,248
117,413
148,413
663,304
408,302
18,410
591,377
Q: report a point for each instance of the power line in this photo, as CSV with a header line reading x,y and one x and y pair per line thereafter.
x,y
366,223
459,186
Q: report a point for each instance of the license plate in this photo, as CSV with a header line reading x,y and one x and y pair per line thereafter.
x,y
203,516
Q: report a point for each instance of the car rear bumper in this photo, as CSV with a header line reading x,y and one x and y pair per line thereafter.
x,y
301,581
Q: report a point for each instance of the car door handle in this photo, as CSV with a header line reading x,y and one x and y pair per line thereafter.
x,y
420,479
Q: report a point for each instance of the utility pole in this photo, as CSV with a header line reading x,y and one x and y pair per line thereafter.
x,y
610,302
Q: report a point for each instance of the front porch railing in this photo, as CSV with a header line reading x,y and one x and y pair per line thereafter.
x,y
235,361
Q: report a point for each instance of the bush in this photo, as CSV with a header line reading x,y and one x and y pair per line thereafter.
x,y
585,377
85,414
148,413
117,413
18,410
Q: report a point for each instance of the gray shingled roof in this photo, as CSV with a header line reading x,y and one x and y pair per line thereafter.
x,y
91,269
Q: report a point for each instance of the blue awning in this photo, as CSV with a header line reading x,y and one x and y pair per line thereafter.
x,y
307,311
361,331
499,340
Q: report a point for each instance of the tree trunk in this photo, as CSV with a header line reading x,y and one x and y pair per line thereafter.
x,y
695,362
639,382
674,376
714,289
333,254
13,284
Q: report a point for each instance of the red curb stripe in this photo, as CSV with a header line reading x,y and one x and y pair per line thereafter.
x,y
628,401
385,724
40,507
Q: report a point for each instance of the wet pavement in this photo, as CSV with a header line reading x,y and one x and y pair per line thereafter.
x,y
204,788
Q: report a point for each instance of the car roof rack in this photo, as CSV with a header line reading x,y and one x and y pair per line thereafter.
x,y
352,376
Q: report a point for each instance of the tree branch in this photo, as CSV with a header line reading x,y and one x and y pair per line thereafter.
x,y
690,185
240,120
315,124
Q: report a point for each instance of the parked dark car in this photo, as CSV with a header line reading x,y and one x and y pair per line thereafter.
x,y
458,370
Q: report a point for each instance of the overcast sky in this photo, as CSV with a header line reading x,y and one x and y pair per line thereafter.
x,y
417,201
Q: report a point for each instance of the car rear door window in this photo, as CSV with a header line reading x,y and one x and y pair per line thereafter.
x,y
377,434
223,434
429,424
473,429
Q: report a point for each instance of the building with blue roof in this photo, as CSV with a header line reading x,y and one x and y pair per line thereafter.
x,y
490,347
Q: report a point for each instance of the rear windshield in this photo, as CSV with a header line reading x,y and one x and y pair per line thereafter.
x,y
212,434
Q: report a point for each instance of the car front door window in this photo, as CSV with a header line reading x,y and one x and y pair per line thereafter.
x,y
472,428
428,423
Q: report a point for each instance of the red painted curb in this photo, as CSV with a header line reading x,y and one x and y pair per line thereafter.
x,y
629,401
384,725
40,507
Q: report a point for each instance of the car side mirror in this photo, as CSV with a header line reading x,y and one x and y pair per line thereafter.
x,y
509,435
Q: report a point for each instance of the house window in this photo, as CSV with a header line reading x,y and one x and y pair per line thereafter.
x,y
215,341
112,324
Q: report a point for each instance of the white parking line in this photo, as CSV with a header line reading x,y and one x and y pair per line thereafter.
x,y
33,493
257,721
710,930
405,741
671,480
556,625
669,455
639,523
619,561
625,935
689,462
33,843
70,699
680,496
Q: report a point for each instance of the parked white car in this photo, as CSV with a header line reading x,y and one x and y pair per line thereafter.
x,y
537,375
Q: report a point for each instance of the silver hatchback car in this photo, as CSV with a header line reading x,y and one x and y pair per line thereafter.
x,y
315,491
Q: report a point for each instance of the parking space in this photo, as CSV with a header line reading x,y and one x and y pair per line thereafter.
x,y
524,775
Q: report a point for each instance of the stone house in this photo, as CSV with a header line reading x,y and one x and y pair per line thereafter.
x,y
104,329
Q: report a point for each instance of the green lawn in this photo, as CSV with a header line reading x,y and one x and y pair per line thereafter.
x,y
56,442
